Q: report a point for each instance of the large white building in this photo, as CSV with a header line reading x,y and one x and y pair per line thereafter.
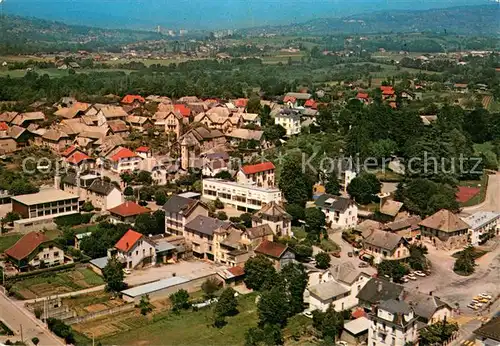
x,y
393,323
241,196
290,122
481,223
340,212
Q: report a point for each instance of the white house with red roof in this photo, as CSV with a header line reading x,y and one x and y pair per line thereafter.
x,y
122,159
127,212
134,250
80,161
143,152
261,174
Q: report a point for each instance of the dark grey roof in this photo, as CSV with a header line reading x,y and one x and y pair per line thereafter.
x,y
395,306
176,204
101,187
383,239
424,305
377,290
70,179
259,231
206,225
333,202
490,330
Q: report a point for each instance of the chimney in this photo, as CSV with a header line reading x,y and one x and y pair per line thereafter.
x,y
430,293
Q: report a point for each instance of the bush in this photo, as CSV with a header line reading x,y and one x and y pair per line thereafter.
x,y
218,204
222,216
61,329
72,220
38,312
180,300
322,260
35,341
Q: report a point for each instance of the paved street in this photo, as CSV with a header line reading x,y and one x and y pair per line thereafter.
x,y
15,317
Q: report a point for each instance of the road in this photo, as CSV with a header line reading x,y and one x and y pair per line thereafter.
x,y
492,199
15,317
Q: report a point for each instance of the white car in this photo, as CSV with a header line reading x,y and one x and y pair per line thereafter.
x,y
472,306
127,271
411,277
479,305
404,279
419,273
485,296
341,343
308,314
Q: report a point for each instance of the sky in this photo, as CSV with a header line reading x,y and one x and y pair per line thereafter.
x,y
207,14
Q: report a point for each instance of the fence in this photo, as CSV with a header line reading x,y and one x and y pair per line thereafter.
x,y
97,314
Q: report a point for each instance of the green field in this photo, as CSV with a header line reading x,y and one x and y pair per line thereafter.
x,y
6,241
51,283
186,328
54,72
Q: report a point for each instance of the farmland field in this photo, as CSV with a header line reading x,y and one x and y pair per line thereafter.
x,y
6,241
51,283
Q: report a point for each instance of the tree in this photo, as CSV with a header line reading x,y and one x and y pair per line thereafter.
x,y
218,204
35,340
128,191
274,132
160,197
269,335
258,271
295,280
417,260
126,177
273,306
226,306
437,333
465,263
315,220
393,269
221,215
364,188
87,206
294,182
209,287
113,275
332,185
253,105
296,211
145,305
329,323
246,219
322,260
144,177
224,175
10,217
180,300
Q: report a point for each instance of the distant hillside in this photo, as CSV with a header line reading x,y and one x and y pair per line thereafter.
x,y
21,34
466,20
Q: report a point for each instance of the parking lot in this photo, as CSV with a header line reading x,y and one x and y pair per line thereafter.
x,y
189,269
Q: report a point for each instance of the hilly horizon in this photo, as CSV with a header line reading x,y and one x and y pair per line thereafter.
x,y
208,14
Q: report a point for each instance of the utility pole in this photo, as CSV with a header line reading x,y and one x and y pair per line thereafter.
x,y
22,339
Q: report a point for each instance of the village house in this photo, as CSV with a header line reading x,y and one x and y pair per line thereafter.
x,y
179,211
388,92
428,308
38,210
143,152
393,322
200,233
261,174
227,247
340,212
133,100
384,246
75,111
34,251
118,127
127,212
481,224
250,119
213,167
363,97
242,196
294,100
489,333
445,230
173,122
79,161
279,254
197,141
108,113
91,188
123,159
238,136
13,138
289,120
406,227
253,236
26,119
134,250
377,290
275,216
8,117
139,123
55,140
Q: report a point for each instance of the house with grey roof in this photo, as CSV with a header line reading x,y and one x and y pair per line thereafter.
x,y
274,215
384,245
328,293
340,212
179,211
428,308
377,290
489,333
92,188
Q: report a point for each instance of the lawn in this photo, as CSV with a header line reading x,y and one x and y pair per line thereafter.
x,y
6,241
52,283
328,245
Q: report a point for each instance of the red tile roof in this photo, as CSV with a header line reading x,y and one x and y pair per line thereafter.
x,y
359,312
142,149
289,98
128,99
387,90
241,102
260,167
311,103
3,126
362,96
129,209
78,157
183,109
123,153
26,245
68,151
237,271
270,248
127,242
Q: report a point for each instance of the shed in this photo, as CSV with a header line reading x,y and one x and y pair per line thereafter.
x,y
157,289
356,331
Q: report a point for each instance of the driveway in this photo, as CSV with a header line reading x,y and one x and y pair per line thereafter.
x,y
492,199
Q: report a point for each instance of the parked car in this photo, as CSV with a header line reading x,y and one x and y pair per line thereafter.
x,y
308,314
349,254
419,273
341,343
472,306
405,279
363,265
411,277
336,254
127,271
486,296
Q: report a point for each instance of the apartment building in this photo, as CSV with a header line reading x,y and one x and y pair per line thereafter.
x,y
290,120
340,212
122,159
181,210
482,224
242,196
261,174
275,216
